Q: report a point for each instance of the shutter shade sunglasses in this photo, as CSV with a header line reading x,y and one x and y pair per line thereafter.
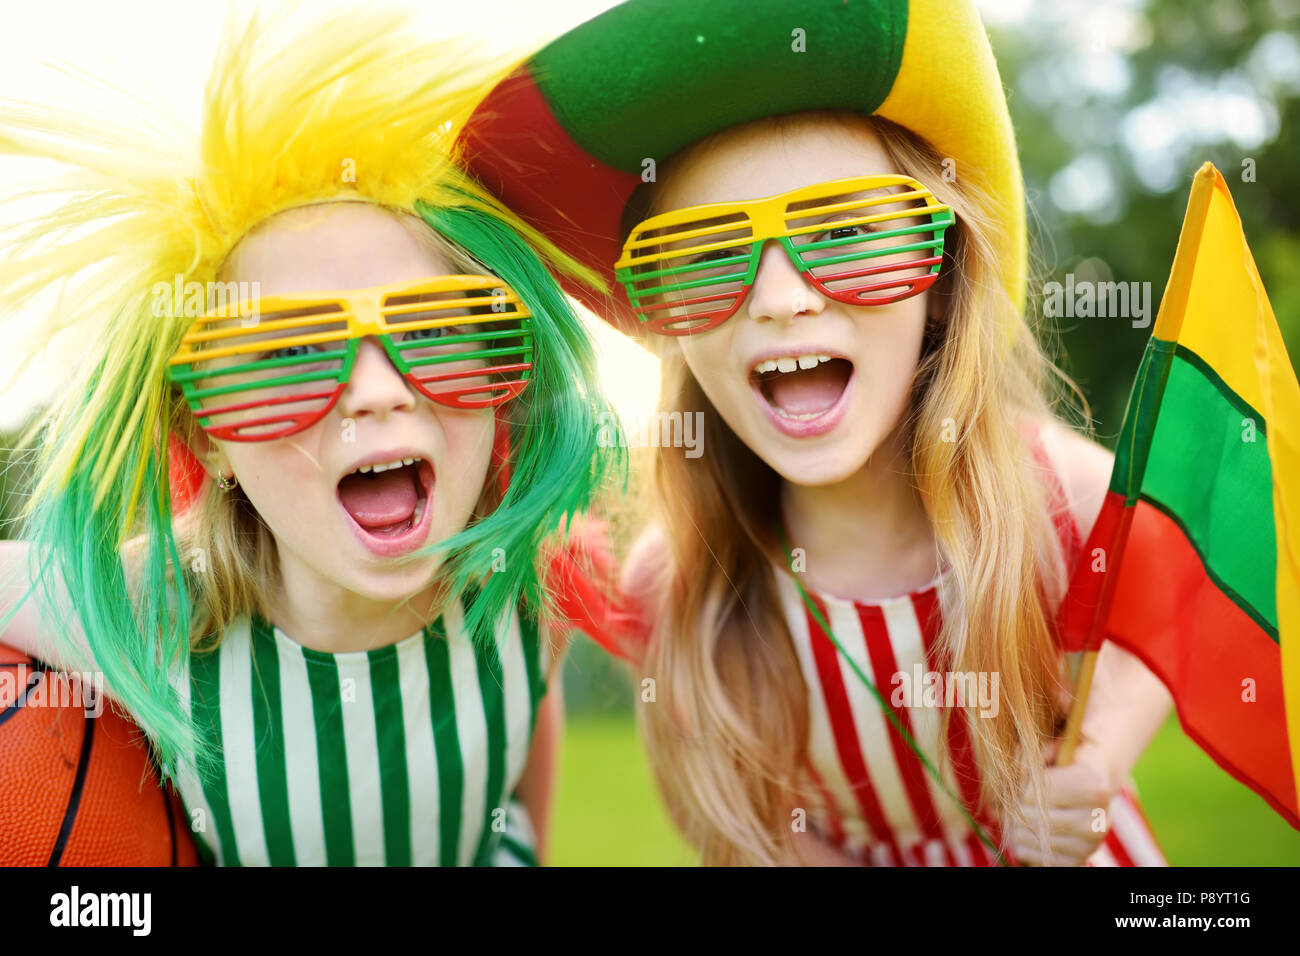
x,y
869,240
269,367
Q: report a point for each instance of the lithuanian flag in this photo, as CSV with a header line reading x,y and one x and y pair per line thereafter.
x,y
1194,563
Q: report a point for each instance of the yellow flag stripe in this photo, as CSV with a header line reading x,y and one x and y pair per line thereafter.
x,y
1211,287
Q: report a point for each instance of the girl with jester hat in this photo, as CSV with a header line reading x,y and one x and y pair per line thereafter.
x,y
814,212
341,648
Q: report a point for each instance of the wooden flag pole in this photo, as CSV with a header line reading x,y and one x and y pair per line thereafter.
x,y
1096,635
1075,722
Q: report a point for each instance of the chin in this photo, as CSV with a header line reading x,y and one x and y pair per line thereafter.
x,y
815,471
827,462
395,585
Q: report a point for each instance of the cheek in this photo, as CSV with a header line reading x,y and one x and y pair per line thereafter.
x,y
708,358
888,359
467,452
283,482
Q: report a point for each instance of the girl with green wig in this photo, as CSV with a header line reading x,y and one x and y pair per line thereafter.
x,y
340,648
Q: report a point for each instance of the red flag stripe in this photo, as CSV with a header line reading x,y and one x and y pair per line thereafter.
x,y
1205,648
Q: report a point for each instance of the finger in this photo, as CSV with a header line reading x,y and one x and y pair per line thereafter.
x,y
1070,821
1060,852
1072,786
1071,852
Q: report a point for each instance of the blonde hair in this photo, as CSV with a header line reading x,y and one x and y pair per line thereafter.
x,y
728,739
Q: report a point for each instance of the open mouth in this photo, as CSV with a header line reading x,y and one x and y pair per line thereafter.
x,y
388,503
802,388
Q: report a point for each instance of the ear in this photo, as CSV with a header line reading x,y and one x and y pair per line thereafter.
x,y
184,473
208,453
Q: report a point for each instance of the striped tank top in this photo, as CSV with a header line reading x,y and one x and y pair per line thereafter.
x,y
871,795
401,755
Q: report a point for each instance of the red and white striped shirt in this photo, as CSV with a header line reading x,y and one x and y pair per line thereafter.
x,y
876,801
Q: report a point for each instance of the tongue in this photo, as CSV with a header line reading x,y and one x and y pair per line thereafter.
x,y
807,391
377,502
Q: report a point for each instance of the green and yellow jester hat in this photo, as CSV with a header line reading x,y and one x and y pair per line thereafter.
x,y
564,141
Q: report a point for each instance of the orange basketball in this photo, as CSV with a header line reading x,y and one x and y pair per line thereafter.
x,y
78,789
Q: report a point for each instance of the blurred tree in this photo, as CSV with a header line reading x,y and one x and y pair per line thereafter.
x,y
1116,103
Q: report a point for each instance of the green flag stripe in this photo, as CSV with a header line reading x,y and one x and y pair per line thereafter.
x,y
1144,409
442,707
393,780
1139,420
1243,407
205,708
1207,467
336,805
1247,608
268,729
595,83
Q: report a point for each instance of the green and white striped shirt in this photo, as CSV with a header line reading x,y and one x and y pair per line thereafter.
x,y
403,755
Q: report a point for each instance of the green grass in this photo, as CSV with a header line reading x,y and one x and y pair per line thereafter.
x,y
608,812
1201,815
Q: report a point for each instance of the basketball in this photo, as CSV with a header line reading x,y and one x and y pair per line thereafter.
x,y
78,786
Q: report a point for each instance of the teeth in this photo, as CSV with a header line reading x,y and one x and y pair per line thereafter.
x,y
807,417
386,466
789,363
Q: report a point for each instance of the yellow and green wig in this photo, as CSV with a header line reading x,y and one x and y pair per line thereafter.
x,y
565,140
301,108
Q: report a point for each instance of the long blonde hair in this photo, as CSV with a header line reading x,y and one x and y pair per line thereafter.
x,y
728,737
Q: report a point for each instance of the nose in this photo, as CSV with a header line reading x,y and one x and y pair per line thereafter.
x,y
780,291
375,386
